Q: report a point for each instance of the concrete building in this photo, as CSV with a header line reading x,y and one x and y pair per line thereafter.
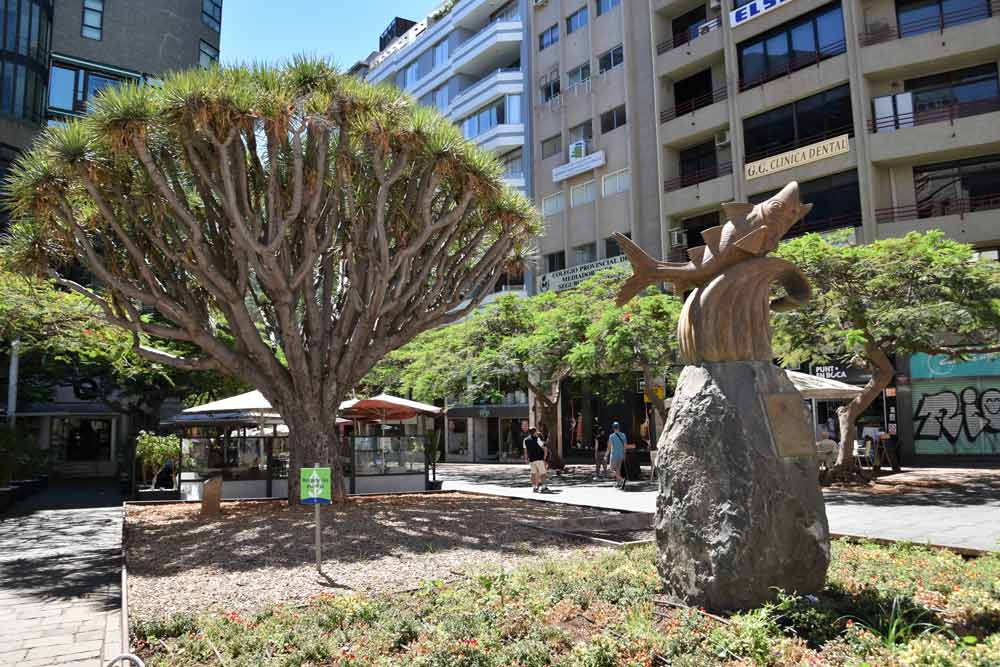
x,y
887,113
57,56
592,120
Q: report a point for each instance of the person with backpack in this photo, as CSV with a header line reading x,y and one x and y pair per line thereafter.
x,y
616,454
534,456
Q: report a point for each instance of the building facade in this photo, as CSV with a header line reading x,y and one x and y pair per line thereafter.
x,y
56,57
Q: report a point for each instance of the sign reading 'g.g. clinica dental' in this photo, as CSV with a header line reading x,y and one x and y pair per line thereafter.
x,y
752,10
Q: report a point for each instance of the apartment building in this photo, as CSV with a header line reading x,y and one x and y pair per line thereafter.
x,y
887,112
56,57
592,120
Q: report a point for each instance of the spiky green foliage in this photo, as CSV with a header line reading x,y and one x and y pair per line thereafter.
x,y
294,224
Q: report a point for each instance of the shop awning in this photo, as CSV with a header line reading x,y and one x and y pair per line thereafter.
x,y
386,407
822,389
250,402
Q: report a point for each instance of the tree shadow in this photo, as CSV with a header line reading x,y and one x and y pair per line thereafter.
x,y
974,490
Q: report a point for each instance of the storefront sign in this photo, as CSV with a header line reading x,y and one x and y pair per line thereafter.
x,y
935,366
798,157
841,373
752,10
557,281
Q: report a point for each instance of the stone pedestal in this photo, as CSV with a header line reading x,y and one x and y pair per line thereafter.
x,y
740,511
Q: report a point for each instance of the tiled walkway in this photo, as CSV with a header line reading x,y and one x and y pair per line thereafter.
x,y
60,578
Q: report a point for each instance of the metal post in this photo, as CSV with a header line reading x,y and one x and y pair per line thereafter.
x,y
12,381
319,544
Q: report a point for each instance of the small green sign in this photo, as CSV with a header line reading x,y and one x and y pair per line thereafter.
x,y
314,486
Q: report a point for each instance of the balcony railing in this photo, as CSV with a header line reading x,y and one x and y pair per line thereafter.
x,y
937,208
799,143
795,63
693,104
887,33
700,176
809,225
682,38
942,113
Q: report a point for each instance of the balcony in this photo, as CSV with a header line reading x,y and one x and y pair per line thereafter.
x,y
688,36
693,178
880,34
939,114
939,208
820,225
795,64
693,104
968,220
962,128
502,137
777,149
497,83
495,44
690,56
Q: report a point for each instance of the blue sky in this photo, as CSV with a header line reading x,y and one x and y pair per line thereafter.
x,y
345,30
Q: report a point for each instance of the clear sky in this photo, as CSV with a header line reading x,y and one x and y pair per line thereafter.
x,y
344,30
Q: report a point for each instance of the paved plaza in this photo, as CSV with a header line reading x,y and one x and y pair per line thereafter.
x,y
950,507
60,578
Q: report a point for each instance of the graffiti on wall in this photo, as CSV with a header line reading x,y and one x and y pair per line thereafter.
x,y
952,415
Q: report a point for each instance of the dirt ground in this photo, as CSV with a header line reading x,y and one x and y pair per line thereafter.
x,y
258,553
920,480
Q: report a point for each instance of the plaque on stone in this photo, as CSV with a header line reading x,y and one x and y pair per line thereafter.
x,y
789,430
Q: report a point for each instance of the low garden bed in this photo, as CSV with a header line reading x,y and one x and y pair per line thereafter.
x,y
884,606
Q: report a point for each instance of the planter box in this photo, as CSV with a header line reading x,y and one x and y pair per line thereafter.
x,y
434,485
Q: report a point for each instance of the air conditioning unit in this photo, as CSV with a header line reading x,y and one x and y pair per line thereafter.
x,y
540,3
577,150
722,138
678,238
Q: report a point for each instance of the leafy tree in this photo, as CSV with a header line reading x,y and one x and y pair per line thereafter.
x,y
291,225
155,450
900,296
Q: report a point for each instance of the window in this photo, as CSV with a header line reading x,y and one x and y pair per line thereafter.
x,y
578,75
211,14
693,227
553,204
441,98
440,55
582,132
932,94
698,164
605,6
693,93
513,164
612,248
71,89
952,187
804,122
551,146
549,89
611,59
792,46
618,181
555,261
62,88
208,55
508,12
93,19
612,120
686,26
548,37
503,111
918,16
576,20
836,203
411,75
582,194
584,254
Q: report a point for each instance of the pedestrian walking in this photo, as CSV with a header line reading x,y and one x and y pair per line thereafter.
x,y
534,455
600,462
616,454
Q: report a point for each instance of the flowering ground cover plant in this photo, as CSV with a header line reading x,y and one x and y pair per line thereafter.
x,y
884,606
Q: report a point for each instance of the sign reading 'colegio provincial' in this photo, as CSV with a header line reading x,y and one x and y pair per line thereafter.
x,y
574,275
752,10
799,156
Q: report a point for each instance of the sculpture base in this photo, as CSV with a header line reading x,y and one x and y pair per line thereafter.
x,y
740,512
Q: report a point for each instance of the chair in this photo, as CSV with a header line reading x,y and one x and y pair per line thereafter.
x,y
863,454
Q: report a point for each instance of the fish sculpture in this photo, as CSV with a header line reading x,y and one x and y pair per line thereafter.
x,y
726,315
749,231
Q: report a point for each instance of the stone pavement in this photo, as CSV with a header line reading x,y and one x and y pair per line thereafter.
x,y
60,578
949,507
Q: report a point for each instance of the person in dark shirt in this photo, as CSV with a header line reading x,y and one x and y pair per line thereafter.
x,y
534,456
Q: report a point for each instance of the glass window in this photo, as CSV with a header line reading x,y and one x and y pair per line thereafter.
x,y
513,109
508,12
698,163
208,55
803,42
605,6
618,181
777,53
441,98
582,194
552,204
62,84
412,73
440,53
548,37
611,59
550,89
919,16
830,28
576,20
93,19
211,14
555,261
96,83
578,74
612,248
513,164
972,84
950,187
582,132
584,254
551,146
612,120
803,122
